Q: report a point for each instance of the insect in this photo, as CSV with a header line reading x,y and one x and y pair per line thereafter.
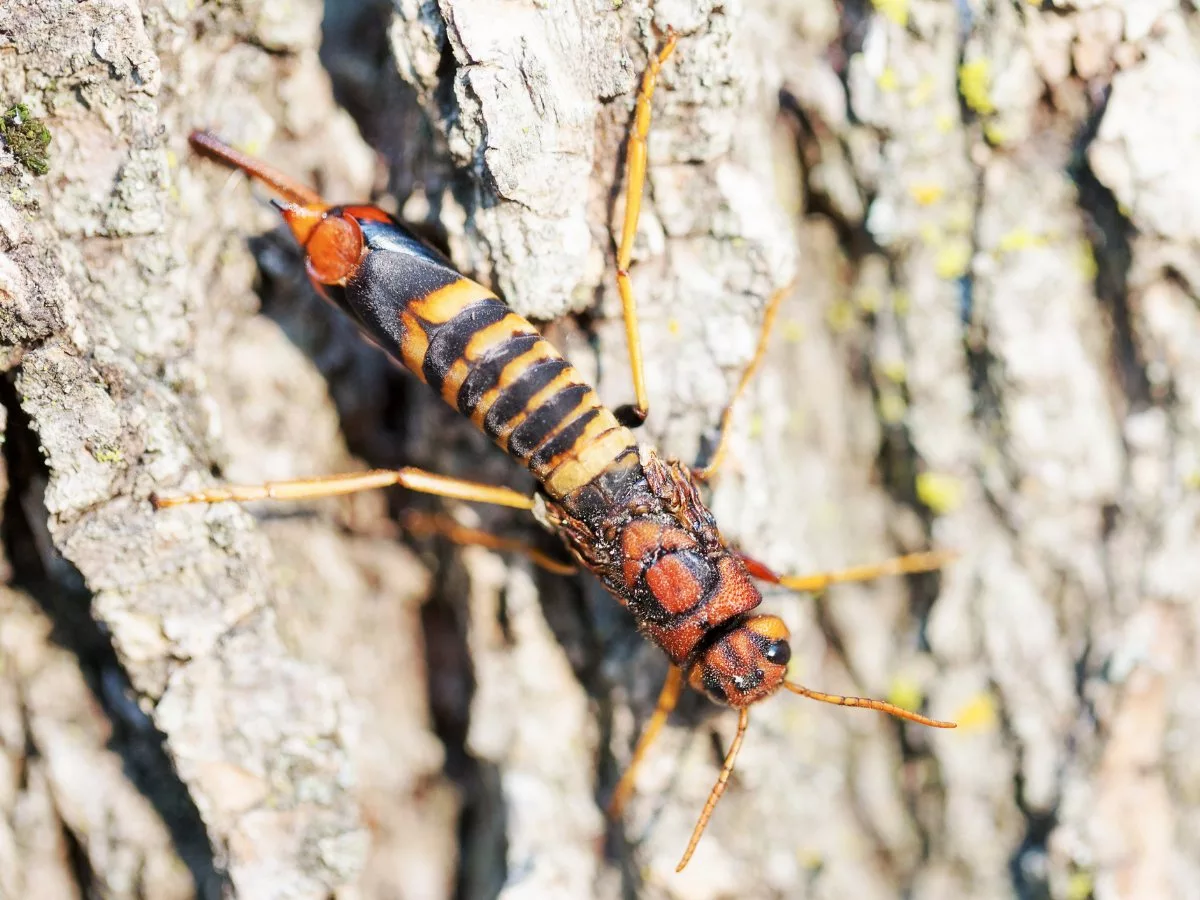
x,y
634,519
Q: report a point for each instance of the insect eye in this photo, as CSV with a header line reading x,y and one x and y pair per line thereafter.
x,y
714,688
778,652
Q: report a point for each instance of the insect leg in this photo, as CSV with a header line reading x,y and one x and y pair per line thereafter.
x,y
350,483
635,183
718,455
912,563
667,699
421,524
718,789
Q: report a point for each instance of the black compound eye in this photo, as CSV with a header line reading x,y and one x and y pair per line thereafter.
x,y
778,652
714,688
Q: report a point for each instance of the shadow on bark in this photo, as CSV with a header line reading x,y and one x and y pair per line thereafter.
x,y
58,589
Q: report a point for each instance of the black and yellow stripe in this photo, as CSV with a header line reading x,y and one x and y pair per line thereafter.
x,y
483,359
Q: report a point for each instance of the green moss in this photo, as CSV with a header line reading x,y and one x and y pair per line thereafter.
x,y
27,138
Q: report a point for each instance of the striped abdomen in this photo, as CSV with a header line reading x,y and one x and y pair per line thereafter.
x,y
484,359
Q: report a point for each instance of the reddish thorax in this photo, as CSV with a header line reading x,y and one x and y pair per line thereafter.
x,y
663,558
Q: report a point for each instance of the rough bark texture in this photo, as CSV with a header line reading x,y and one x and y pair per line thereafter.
x,y
991,212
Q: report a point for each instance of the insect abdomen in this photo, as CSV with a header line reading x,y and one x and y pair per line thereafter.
x,y
483,359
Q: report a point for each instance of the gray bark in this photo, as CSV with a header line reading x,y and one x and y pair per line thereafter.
x,y
990,212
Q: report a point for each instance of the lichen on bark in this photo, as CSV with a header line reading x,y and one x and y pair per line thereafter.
x,y
988,209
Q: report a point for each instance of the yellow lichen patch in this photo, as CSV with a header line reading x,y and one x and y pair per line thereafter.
x,y
905,693
810,858
896,10
901,303
978,713
792,331
994,134
894,370
960,217
869,299
888,80
1086,260
920,94
926,193
944,123
892,406
840,316
673,328
953,259
1021,238
929,233
1080,886
975,83
941,492
107,453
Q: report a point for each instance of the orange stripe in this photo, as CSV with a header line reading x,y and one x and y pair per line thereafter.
x,y
445,303
590,462
564,379
513,371
487,338
414,343
588,401
481,342
603,422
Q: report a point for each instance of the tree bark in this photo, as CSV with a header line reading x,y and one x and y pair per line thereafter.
x,y
989,210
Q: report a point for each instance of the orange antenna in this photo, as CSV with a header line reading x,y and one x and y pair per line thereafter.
x,y
911,564
293,191
718,789
890,709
